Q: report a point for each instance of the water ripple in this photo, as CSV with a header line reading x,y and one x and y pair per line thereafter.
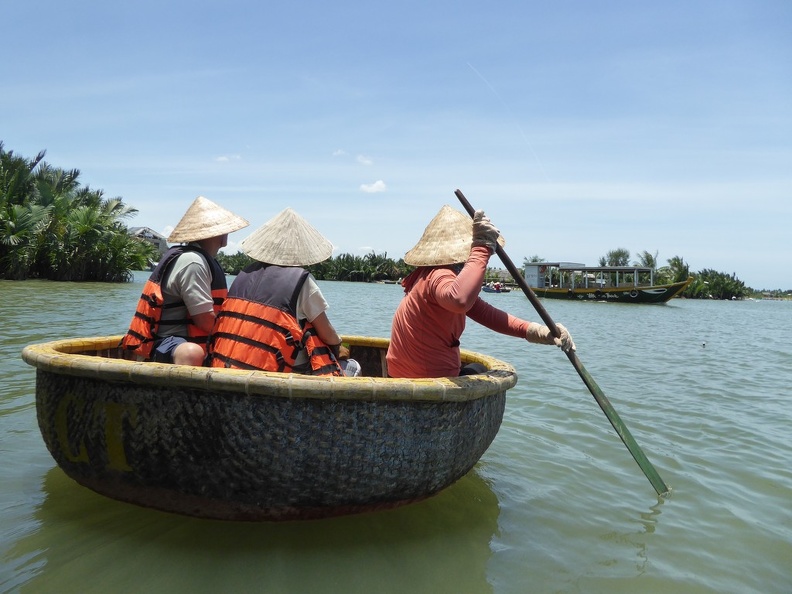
x,y
557,504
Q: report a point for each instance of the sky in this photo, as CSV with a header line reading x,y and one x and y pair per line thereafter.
x,y
579,127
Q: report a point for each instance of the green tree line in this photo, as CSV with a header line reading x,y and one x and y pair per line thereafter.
x,y
706,284
372,267
52,227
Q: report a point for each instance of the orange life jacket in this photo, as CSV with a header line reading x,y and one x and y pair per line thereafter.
x,y
257,328
148,317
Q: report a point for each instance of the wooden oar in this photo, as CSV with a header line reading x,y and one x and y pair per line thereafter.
x,y
649,470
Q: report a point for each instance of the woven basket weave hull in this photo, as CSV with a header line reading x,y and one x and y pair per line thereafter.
x,y
244,445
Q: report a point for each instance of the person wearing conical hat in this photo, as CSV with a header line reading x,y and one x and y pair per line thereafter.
x,y
182,296
443,291
275,316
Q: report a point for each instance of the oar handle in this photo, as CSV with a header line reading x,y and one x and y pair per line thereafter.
x,y
621,429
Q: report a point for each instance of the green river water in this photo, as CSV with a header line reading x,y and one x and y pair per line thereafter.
x,y
556,504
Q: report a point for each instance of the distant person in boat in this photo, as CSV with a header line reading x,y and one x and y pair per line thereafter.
x,y
275,316
177,308
440,294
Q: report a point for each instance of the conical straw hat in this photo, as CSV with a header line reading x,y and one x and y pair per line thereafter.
x,y
205,219
446,240
287,240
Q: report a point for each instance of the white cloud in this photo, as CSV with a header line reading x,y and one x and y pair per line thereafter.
x,y
364,160
228,158
339,153
377,186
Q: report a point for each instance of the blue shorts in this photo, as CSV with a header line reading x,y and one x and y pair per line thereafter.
x,y
163,348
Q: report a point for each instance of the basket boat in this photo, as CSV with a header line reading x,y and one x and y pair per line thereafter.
x,y
256,445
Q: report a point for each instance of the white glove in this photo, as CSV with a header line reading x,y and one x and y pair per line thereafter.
x,y
484,232
539,334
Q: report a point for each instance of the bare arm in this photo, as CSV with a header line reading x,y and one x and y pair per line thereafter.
x,y
205,321
496,319
459,293
325,330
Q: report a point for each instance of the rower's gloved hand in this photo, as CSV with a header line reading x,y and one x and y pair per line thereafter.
x,y
541,335
484,232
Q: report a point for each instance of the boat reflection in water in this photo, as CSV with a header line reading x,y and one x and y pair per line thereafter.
x,y
84,542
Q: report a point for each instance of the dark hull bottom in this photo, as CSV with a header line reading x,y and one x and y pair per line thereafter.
x,y
250,446
167,500
234,457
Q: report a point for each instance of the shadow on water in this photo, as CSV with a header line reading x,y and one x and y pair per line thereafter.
x,y
86,542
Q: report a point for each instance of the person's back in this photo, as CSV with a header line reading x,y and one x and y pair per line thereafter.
x,y
451,259
177,309
425,334
274,318
187,281
261,326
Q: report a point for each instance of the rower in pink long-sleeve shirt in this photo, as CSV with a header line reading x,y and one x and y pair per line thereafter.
x,y
442,293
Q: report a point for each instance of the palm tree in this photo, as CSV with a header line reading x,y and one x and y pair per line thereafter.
x,y
52,227
234,263
678,269
20,217
20,228
647,260
532,260
343,267
720,285
52,183
617,257
16,179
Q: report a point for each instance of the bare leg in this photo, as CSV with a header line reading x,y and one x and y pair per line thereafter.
x,y
188,353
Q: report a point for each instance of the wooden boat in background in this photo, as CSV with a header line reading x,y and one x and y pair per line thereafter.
x,y
616,284
255,445
500,289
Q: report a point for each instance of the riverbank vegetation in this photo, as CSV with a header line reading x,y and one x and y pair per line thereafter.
x,y
706,284
370,268
52,227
